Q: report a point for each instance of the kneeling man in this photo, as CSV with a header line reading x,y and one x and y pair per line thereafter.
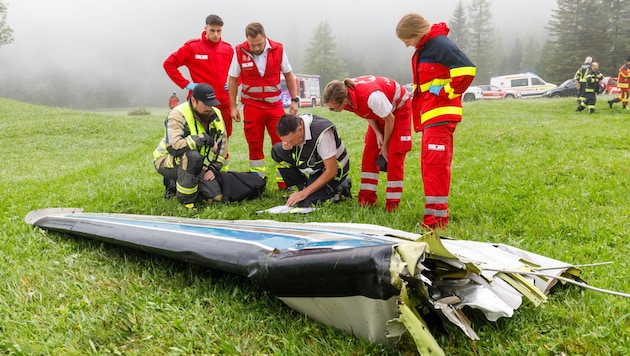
x,y
312,158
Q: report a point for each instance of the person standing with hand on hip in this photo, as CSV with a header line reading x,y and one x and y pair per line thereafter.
x,y
207,59
441,74
258,62
386,105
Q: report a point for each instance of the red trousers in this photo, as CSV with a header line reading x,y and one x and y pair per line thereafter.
x,y
435,159
227,120
399,144
255,121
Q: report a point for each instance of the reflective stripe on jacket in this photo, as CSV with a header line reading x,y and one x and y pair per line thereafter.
x,y
439,62
181,124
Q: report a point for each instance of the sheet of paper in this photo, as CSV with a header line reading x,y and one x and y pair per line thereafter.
x,y
283,209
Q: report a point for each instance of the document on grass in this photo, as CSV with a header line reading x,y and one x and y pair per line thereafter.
x,y
284,209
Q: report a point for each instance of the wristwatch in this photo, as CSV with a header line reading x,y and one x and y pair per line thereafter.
x,y
295,100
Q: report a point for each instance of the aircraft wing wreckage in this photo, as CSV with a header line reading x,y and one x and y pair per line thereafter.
x,y
375,282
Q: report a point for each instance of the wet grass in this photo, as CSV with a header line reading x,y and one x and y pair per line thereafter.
x,y
529,173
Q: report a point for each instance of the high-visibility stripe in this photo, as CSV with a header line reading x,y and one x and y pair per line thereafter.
x,y
186,191
367,186
272,99
445,110
436,212
369,175
425,86
462,71
393,195
436,200
394,184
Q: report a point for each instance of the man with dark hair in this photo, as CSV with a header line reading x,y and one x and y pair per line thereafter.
x,y
208,60
258,62
312,158
193,145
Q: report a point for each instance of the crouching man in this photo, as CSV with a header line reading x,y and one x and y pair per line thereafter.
x,y
312,158
193,143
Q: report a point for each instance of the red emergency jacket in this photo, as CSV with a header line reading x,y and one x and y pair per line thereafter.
x,y
624,77
366,85
439,62
256,90
207,62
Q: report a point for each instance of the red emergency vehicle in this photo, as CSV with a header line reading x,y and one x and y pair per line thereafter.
x,y
308,90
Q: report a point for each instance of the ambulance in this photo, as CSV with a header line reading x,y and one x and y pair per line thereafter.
x,y
308,90
530,85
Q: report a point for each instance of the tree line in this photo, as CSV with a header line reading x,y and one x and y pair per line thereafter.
x,y
576,29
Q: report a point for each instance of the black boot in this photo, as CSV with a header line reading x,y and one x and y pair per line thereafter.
x,y
610,102
170,188
590,111
345,188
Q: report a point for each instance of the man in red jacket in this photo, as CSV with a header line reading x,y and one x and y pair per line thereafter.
x,y
208,60
258,62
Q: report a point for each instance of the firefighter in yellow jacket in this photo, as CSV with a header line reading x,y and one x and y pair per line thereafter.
x,y
193,147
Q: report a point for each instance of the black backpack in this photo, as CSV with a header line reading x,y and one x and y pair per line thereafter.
x,y
238,186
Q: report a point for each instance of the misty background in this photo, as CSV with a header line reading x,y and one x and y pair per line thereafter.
x,y
96,54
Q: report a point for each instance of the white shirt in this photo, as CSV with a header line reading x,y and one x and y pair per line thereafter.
x,y
380,105
261,62
326,148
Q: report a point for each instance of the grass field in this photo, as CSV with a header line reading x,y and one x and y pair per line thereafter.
x,y
529,173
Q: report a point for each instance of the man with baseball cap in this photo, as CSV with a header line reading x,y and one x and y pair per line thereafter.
x,y
193,147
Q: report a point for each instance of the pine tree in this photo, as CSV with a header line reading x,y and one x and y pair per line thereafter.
x,y
6,33
515,58
459,30
618,15
578,29
481,39
531,56
321,55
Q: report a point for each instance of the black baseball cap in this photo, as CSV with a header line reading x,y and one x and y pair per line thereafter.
x,y
205,93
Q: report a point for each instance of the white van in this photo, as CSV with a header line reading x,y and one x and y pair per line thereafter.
x,y
530,85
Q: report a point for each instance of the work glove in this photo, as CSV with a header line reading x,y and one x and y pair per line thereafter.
x,y
435,89
191,86
203,140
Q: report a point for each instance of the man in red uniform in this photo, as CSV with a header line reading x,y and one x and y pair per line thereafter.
x,y
173,101
386,106
441,74
208,60
258,62
622,83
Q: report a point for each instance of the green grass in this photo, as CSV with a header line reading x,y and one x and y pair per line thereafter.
x,y
529,173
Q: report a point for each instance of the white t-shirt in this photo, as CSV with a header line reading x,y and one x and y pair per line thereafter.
x,y
380,105
327,146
